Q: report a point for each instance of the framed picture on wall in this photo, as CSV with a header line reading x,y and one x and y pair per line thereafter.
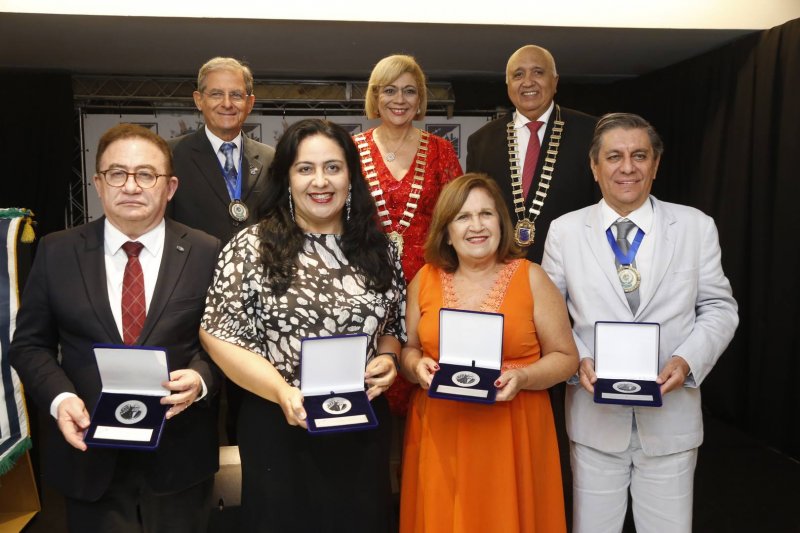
x,y
450,132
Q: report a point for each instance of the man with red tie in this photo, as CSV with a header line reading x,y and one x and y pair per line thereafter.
x,y
538,153
136,278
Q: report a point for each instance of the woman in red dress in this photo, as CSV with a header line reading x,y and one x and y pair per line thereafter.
x,y
405,168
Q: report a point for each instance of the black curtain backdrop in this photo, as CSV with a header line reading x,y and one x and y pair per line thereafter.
x,y
730,120
38,139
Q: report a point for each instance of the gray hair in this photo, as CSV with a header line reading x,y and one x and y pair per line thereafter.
x,y
224,63
626,121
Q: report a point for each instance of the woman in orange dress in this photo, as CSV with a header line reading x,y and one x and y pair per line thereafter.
x,y
484,467
405,168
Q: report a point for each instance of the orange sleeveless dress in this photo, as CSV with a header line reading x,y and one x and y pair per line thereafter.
x,y
470,467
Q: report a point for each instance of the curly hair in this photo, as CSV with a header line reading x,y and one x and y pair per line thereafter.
x,y
363,243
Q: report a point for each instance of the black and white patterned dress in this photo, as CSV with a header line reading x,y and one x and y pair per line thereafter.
x,y
292,481
327,297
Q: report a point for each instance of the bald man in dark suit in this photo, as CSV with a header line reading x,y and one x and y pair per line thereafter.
x,y
532,80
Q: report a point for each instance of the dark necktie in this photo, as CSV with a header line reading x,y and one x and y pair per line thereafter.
x,y
531,157
624,227
229,169
133,305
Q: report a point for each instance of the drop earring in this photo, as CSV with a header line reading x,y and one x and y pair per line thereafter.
x,y
291,205
349,201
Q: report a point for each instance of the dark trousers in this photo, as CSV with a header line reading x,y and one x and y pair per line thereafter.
x,y
130,506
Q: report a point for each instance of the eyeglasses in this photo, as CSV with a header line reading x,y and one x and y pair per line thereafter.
x,y
409,91
116,177
237,97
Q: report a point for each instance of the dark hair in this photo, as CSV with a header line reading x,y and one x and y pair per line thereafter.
x,y
363,243
451,200
132,131
626,121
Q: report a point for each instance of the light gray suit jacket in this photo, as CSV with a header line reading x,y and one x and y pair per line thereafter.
x,y
689,296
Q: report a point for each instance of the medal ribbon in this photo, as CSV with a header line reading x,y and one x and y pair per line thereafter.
x,y
625,260
235,192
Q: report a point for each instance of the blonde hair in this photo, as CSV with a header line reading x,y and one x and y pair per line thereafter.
x,y
385,72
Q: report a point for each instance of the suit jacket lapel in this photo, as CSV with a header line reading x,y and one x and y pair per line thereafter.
x,y
173,259
598,243
663,251
208,165
90,254
253,168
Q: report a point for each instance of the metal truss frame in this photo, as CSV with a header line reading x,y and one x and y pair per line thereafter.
x,y
131,94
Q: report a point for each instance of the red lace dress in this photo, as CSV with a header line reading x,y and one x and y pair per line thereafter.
x,y
441,166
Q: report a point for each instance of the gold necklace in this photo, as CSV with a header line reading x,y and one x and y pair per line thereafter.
x,y
525,229
368,168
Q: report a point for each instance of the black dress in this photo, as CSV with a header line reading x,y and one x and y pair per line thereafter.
x,y
293,481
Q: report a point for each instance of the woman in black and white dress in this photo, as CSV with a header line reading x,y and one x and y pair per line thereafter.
x,y
316,265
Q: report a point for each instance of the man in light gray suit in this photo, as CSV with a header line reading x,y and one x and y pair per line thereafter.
x,y
674,278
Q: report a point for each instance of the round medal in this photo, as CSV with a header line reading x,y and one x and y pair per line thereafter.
x,y
629,277
336,405
524,232
238,211
465,378
130,412
396,238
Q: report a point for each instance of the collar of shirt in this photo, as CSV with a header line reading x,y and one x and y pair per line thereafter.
x,y
153,240
521,120
216,143
642,216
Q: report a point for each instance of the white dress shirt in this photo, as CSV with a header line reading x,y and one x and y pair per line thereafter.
x,y
644,220
216,143
524,134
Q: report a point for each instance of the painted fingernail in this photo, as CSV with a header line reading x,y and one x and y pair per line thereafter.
x,y
497,383
436,367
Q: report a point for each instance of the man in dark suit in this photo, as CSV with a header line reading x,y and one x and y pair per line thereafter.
x,y
220,199
80,293
561,174
223,173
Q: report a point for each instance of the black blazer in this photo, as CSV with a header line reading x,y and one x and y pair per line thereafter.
x,y
202,199
65,303
572,186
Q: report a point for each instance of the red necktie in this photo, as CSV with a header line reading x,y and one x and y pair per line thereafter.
x,y
133,304
531,157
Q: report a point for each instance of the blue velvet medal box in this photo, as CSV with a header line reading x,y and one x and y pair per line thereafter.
x,y
626,363
470,356
332,382
129,413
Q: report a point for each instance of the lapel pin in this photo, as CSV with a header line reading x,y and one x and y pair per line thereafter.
x,y
253,171
180,248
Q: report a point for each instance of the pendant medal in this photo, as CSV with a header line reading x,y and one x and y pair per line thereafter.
x,y
396,238
238,211
629,277
524,232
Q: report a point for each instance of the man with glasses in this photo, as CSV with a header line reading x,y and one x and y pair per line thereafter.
x,y
223,172
129,278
